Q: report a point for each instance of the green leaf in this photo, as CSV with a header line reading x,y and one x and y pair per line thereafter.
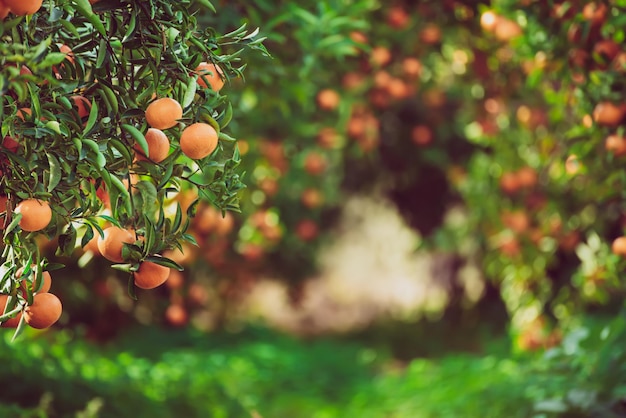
x,y
93,146
20,328
225,137
164,261
228,115
208,5
131,288
93,116
131,28
14,223
102,53
87,236
122,150
149,198
190,93
55,172
138,137
85,9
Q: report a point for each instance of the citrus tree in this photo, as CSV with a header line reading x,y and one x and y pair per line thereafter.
x,y
108,110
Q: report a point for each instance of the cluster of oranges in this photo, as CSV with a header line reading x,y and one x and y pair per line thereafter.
x,y
197,141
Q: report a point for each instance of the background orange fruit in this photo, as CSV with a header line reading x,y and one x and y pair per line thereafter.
x,y
83,105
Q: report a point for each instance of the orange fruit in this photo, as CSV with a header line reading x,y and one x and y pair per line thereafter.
x,y
509,182
10,144
83,105
315,163
595,12
398,17
422,135
150,275
306,230
328,137
431,34
176,315
67,51
198,141
45,311
619,246
312,198
45,277
4,11
358,37
110,246
328,99
615,144
69,56
158,146
506,29
36,214
163,113
527,177
23,7
608,114
10,323
21,113
210,73
411,67
517,221
380,56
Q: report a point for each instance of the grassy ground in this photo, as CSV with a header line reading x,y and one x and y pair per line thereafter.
x,y
151,373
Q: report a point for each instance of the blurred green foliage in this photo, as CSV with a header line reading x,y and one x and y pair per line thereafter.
x,y
255,372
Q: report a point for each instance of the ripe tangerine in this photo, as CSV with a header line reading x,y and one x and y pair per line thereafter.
x,y
12,322
210,73
328,99
164,113
608,114
615,144
176,315
36,214
158,146
150,275
83,106
110,246
198,141
619,246
23,7
45,311
45,277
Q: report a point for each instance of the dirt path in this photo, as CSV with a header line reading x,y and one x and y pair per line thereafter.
x,y
372,269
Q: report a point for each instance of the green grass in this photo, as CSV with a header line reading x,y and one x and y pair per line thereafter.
x,y
156,373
